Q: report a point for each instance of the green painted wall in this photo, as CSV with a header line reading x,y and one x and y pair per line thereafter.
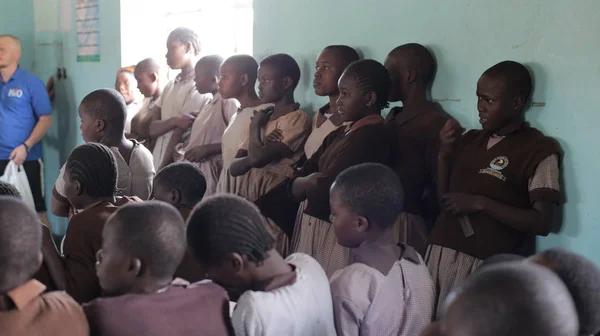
x,y
16,19
558,40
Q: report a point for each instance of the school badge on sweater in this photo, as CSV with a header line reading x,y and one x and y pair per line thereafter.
x,y
496,166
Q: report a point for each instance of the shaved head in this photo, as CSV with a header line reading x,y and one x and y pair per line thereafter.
x,y
413,56
511,299
147,66
10,51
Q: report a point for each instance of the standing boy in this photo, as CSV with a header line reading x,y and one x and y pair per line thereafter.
x,y
498,186
386,289
147,75
179,99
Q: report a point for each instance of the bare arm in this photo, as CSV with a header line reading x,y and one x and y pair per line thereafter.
x,y
175,139
241,165
537,220
159,127
40,129
260,153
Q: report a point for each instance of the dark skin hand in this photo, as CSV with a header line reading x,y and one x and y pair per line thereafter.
x,y
201,153
302,184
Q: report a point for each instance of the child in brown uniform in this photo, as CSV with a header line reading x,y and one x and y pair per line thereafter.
x,y
182,185
90,184
417,124
24,310
498,187
261,166
147,75
364,89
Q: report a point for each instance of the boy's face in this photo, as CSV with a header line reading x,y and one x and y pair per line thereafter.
x,y
178,54
345,221
113,267
205,82
352,101
496,106
125,84
396,71
271,86
89,127
230,83
146,83
328,69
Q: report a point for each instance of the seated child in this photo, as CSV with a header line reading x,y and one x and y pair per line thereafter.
x,y
126,85
238,80
502,187
179,99
417,125
142,245
280,296
204,145
147,75
386,289
24,310
102,114
582,278
261,165
364,88
90,179
514,299
51,262
182,185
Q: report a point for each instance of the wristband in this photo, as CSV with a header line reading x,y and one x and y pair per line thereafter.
x,y
26,147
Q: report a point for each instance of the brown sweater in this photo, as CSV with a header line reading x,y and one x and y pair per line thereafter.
x,y
502,174
189,269
342,150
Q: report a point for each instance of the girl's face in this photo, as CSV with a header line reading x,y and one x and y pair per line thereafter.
x,y
352,103
178,54
328,70
126,84
271,87
231,82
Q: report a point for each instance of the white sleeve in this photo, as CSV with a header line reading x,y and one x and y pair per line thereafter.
x,y
59,185
246,319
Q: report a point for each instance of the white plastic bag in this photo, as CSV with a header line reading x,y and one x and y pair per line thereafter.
x,y
16,176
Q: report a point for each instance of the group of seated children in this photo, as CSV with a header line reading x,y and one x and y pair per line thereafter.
x,y
351,224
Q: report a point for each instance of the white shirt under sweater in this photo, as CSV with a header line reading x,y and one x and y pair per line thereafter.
x,y
303,308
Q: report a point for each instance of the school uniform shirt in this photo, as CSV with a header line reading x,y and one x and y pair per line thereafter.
x,y
141,122
38,314
133,179
80,244
208,129
179,96
319,132
132,109
386,290
179,309
301,309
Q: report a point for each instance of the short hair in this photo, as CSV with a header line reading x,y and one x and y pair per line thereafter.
x,y
373,191
7,189
147,66
93,165
347,54
245,64
184,177
371,76
15,39
286,66
499,259
582,278
515,75
418,57
186,35
108,105
153,232
512,299
20,243
224,224
210,64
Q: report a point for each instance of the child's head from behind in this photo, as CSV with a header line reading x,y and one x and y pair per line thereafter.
x,y
142,246
238,74
364,90
582,278
409,65
207,74
7,189
330,65
103,113
278,76
227,235
147,74
90,174
365,199
20,243
126,85
183,46
181,184
510,299
502,92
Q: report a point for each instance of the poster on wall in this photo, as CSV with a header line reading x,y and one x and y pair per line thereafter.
x,y
88,30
